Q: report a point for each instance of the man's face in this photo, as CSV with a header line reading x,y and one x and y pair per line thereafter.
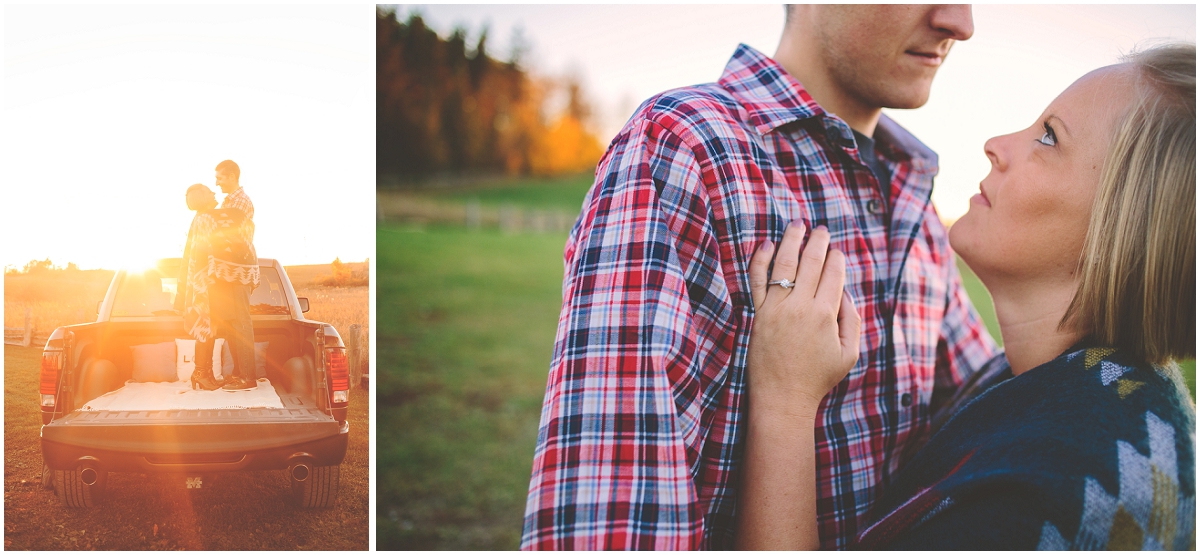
x,y
887,55
226,182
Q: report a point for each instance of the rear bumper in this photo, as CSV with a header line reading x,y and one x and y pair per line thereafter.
x,y
211,447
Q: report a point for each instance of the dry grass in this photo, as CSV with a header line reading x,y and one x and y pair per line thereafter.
x,y
312,274
340,306
55,298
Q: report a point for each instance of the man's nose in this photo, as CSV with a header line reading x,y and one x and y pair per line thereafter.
x,y
953,20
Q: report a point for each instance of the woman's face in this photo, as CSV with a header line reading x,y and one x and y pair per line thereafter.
x,y
1029,220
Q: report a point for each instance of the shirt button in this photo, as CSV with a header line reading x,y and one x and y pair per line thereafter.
x,y
874,206
906,399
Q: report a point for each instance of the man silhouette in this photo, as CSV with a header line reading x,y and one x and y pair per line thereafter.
x,y
640,436
236,276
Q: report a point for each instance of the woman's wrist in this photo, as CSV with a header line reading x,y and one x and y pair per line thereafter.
x,y
776,403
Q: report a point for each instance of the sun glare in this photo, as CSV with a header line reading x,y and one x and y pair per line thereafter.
x,y
136,263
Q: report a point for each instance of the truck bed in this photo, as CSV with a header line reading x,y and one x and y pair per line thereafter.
x,y
155,440
178,395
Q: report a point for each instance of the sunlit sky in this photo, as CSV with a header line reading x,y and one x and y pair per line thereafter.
x,y
110,113
997,82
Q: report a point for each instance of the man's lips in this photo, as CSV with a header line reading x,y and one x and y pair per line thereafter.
x,y
933,59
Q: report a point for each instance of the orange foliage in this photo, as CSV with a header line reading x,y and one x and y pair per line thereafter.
x,y
566,147
443,107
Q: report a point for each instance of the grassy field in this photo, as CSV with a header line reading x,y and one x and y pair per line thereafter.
x,y
466,323
247,510
54,298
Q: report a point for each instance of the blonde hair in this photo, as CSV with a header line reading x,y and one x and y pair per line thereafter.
x,y
1137,283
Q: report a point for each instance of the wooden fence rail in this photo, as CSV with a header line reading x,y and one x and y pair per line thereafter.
x,y
26,336
398,207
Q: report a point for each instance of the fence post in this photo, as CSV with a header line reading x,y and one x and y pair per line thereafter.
x,y
474,214
510,219
354,348
25,341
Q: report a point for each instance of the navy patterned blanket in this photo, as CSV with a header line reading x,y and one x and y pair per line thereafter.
x,y
1088,451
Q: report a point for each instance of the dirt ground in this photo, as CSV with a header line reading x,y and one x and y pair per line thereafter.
x,y
243,511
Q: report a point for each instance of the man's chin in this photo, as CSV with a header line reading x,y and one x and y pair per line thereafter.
x,y
901,99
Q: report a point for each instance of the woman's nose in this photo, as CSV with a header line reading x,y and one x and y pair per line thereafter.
x,y
994,150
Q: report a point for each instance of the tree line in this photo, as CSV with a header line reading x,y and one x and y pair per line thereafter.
x,y
445,108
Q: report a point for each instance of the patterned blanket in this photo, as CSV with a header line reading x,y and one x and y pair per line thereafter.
x,y
216,249
1089,451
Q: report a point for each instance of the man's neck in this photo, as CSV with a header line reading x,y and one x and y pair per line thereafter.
x,y
1029,316
800,60
803,64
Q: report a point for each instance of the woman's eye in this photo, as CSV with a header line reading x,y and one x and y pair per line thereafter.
x,y
1048,139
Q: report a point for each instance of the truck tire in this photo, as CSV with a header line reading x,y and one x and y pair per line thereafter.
x,y
319,490
75,493
47,476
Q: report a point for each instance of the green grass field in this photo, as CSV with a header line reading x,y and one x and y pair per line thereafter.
x,y
466,323
562,193
465,327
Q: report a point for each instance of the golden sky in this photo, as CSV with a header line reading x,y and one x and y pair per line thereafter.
x,y
110,113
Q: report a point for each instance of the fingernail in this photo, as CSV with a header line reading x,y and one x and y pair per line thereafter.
x,y
766,246
821,227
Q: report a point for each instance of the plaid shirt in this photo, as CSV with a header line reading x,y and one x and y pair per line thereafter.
x,y
247,274
641,430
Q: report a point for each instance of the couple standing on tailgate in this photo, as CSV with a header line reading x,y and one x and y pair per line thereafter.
x,y
218,273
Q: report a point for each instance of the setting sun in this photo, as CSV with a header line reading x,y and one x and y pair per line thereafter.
x,y
105,147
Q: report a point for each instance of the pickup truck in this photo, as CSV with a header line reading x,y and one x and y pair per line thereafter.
x,y
97,419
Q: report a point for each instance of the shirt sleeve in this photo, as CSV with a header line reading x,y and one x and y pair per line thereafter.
x,y
642,315
965,345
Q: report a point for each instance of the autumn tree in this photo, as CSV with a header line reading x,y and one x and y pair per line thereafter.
x,y
444,106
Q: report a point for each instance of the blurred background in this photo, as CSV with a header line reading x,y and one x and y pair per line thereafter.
x,y
490,120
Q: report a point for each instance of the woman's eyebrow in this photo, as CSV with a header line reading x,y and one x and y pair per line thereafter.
x,y
1061,123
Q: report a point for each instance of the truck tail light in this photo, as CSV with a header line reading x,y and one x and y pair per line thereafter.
x,y
339,375
52,363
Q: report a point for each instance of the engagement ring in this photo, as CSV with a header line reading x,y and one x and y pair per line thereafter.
x,y
784,283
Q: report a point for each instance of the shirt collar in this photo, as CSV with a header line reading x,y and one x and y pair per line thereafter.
x,y
773,98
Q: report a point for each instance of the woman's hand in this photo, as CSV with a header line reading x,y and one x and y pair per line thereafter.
x,y
804,339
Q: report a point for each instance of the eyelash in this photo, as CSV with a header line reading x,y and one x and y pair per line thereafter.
x,y
1048,135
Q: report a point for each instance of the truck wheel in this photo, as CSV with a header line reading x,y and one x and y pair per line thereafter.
x,y
314,487
73,489
47,476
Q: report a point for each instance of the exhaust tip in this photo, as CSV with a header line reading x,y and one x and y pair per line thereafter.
x,y
89,476
300,472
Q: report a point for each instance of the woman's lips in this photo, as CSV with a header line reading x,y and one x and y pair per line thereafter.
x,y
982,198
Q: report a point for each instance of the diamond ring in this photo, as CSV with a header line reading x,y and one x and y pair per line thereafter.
x,y
784,283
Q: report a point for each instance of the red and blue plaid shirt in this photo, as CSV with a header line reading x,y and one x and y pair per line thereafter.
x,y
641,431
